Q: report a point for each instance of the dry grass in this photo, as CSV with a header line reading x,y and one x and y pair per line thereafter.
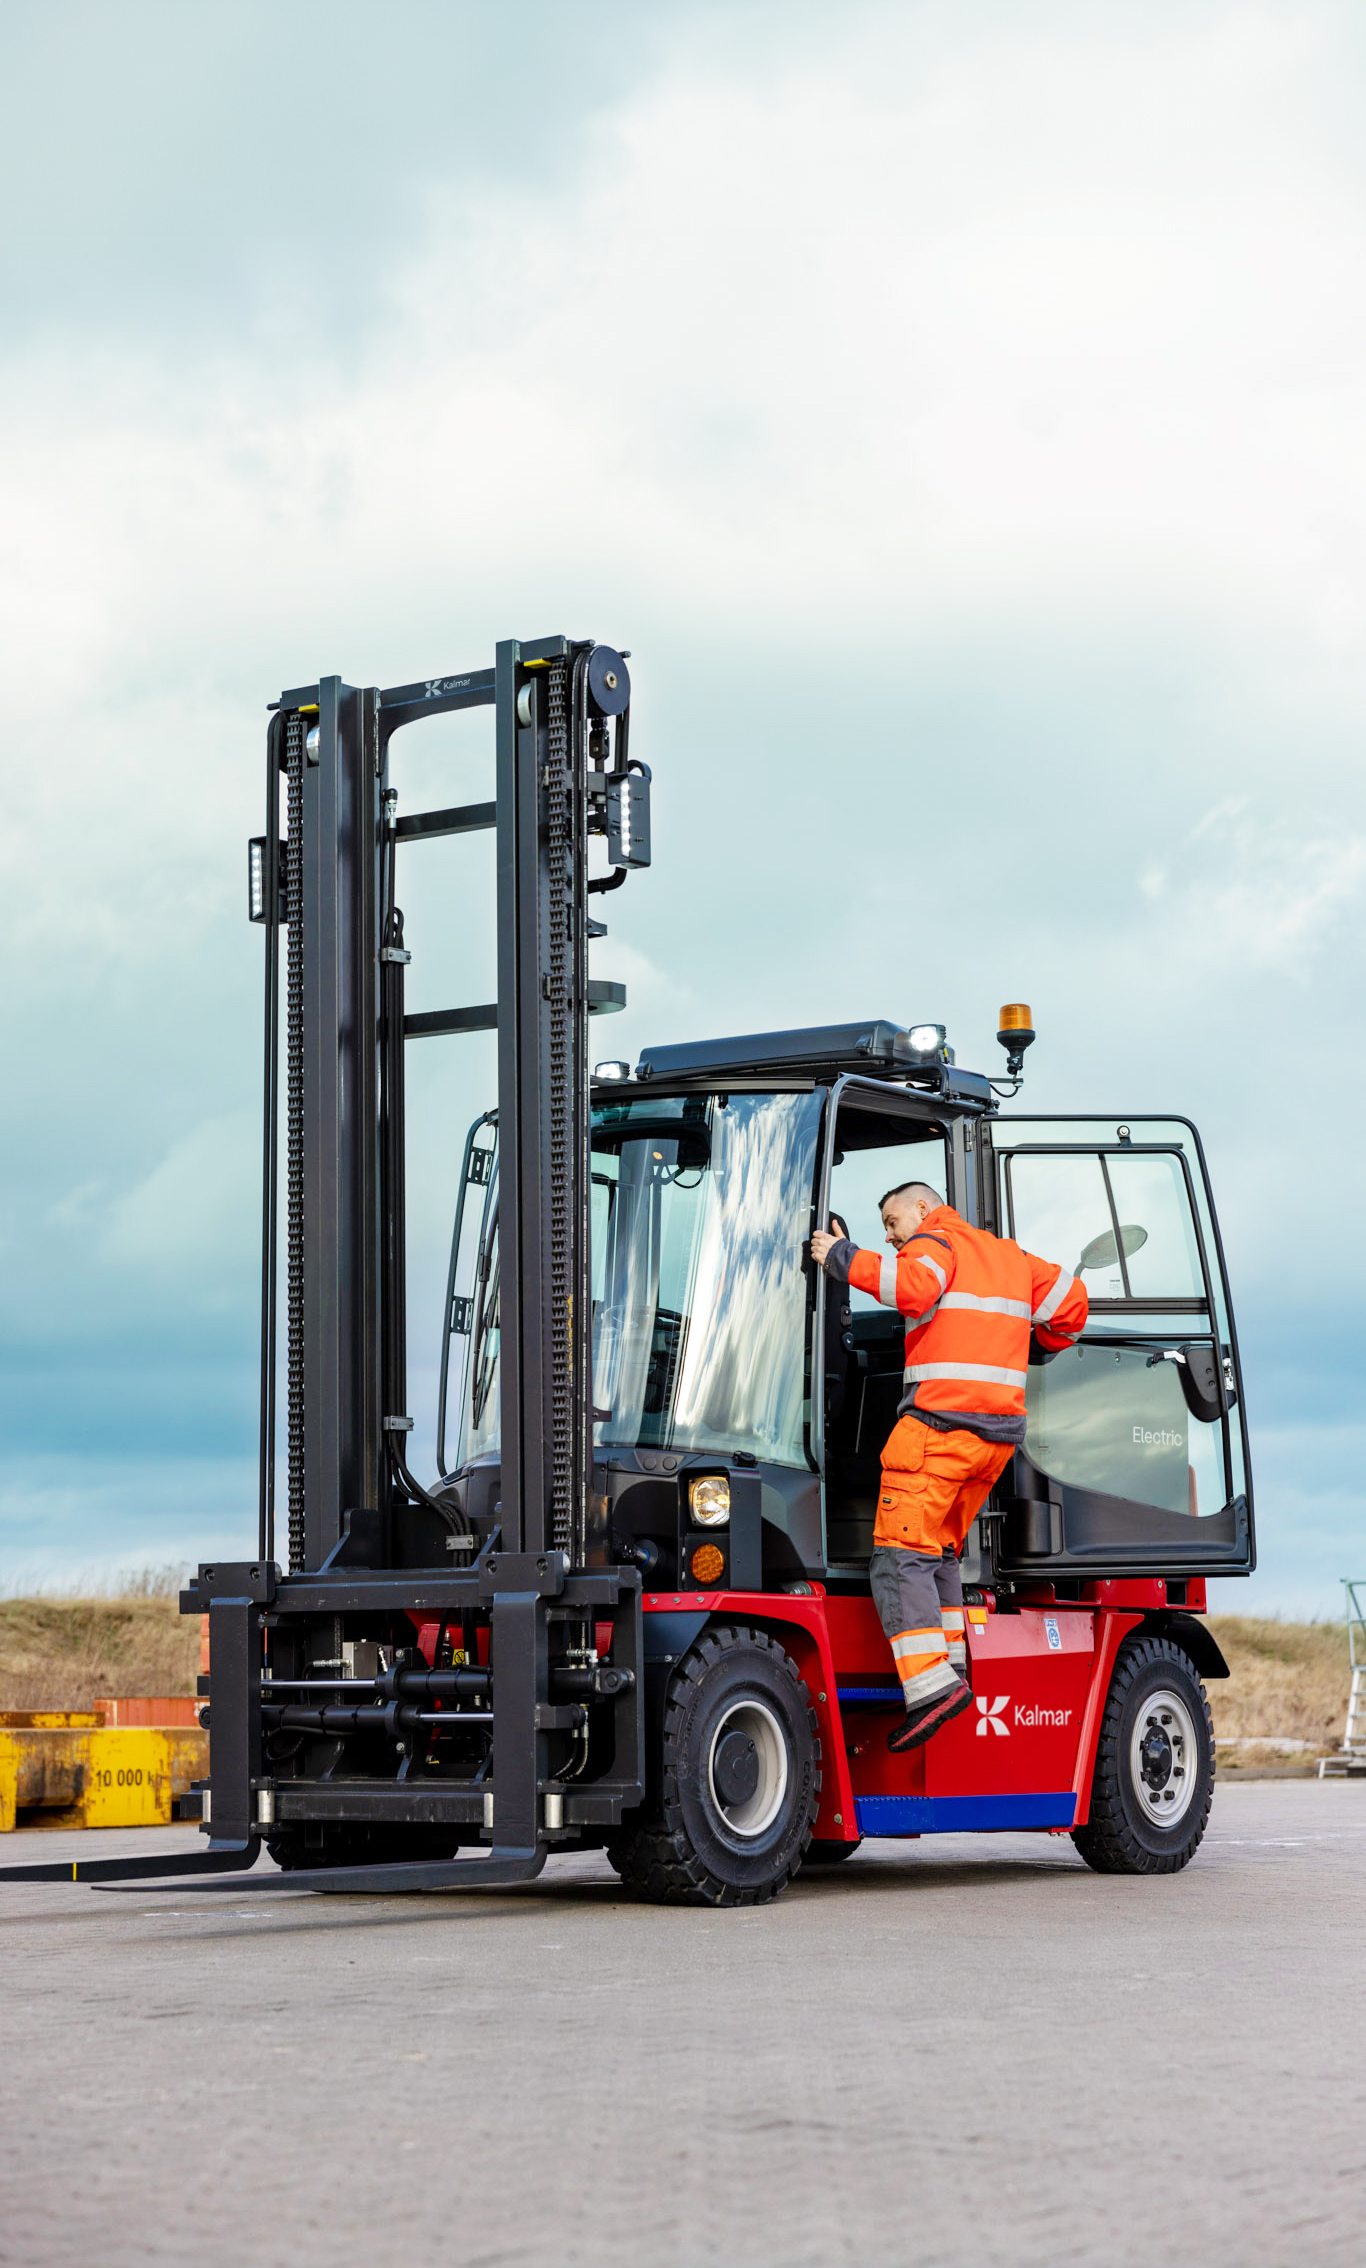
x,y
65,1653
1289,1681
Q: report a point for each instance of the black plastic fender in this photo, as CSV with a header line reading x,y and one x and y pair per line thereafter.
x,y
665,1639
1192,1635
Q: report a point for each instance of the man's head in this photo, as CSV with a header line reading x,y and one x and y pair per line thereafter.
x,y
904,1208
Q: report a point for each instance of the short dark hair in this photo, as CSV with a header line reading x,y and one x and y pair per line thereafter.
x,y
921,1187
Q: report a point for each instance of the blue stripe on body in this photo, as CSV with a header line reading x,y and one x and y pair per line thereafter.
x,y
951,1815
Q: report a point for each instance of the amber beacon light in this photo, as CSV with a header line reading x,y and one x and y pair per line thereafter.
x,y
1016,1033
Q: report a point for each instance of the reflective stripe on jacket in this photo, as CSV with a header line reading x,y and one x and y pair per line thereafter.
x,y
970,1301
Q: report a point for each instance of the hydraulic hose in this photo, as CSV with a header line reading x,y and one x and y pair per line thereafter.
x,y
398,1717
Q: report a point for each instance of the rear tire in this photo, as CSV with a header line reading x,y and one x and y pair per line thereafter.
x,y
1154,1773
739,1779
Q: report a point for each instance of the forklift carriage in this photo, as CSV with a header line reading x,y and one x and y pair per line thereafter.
x,y
632,1611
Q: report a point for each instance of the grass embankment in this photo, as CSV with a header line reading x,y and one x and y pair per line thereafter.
x,y
65,1653
1289,1680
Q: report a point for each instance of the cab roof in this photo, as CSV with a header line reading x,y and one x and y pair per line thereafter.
x,y
874,1048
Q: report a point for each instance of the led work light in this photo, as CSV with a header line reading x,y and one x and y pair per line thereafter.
x,y
709,1500
256,880
929,1044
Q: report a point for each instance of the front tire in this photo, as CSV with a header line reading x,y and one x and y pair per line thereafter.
x,y
739,1778
1154,1774
824,1850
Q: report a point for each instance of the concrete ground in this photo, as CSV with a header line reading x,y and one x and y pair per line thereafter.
x,y
967,2049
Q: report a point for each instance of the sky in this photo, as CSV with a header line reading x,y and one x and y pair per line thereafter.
x,y
956,409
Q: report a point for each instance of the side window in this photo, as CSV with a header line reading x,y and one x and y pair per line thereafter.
x,y
863,1175
874,1151
602,1202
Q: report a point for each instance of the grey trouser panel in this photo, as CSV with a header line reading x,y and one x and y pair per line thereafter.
x,y
914,1591
911,1589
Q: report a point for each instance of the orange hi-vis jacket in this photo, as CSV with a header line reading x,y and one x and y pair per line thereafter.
x,y
970,1301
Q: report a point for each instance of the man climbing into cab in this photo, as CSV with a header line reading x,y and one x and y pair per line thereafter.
x,y
971,1301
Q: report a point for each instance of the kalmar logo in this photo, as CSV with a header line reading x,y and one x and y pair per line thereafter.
x,y
989,1717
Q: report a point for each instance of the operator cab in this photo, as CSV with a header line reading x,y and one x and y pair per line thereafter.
x,y
727,1370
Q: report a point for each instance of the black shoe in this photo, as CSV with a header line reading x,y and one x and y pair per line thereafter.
x,y
919,1725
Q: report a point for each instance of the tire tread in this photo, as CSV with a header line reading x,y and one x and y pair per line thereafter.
x,y
655,1858
1107,1842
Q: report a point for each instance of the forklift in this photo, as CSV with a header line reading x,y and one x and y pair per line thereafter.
x,y
630,1610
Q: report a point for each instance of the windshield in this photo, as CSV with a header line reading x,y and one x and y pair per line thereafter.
x,y
700,1209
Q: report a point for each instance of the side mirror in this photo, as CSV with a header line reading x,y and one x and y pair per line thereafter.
x,y
1201,1384
1204,1380
1103,1252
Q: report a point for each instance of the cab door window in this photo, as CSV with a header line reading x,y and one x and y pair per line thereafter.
x,y
1159,1256
1112,1420
1060,1207
1122,1224
1128,1434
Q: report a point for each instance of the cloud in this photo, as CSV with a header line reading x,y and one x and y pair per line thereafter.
x,y
252,171
91,1516
958,415
1266,893
194,1212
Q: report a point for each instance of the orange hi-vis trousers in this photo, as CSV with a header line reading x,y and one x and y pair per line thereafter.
x,y
933,1486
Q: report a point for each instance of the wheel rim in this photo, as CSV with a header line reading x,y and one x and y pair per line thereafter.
x,y
747,1768
1164,1758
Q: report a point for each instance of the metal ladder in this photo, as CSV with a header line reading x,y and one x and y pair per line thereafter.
x,y
1350,1759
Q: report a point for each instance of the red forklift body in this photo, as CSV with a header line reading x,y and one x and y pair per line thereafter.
x,y
1021,1759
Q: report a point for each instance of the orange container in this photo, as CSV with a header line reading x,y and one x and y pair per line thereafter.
x,y
165,1709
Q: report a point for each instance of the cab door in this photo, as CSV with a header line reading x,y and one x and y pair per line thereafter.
x,y
1135,1454
876,1138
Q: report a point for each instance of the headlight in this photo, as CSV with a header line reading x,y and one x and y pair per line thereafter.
x,y
709,1500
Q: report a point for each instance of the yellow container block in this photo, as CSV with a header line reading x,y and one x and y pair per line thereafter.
x,y
74,1776
188,1750
128,1780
